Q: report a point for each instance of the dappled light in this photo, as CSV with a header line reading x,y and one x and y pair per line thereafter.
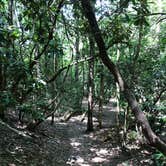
x,y
82,83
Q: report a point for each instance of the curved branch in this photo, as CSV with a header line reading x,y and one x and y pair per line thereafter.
x,y
50,35
157,98
66,67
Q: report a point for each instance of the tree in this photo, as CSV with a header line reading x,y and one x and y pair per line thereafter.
x,y
90,86
101,95
139,115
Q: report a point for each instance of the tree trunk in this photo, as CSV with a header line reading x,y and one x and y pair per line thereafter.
x,y
2,86
77,105
101,96
53,85
139,115
77,56
118,96
90,86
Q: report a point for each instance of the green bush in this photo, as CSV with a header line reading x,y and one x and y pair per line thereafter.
x,y
159,159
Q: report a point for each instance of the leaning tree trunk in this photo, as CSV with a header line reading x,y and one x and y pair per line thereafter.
x,y
139,115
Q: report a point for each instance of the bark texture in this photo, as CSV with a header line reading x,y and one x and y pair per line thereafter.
x,y
141,119
90,86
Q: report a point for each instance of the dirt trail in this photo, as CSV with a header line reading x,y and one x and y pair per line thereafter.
x,y
91,149
109,112
67,144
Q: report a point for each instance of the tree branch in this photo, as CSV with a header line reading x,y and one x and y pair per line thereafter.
x,y
50,35
158,96
21,133
153,14
66,67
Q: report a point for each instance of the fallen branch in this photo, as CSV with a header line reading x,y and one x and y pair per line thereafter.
x,y
21,133
68,115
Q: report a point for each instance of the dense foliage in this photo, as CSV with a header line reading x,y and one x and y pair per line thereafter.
x,y
44,51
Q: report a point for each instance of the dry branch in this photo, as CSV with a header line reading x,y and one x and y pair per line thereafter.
x,y
21,133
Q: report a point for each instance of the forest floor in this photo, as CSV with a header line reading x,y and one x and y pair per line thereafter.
x,y
68,143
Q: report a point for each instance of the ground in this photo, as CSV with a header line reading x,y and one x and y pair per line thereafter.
x,y
68,143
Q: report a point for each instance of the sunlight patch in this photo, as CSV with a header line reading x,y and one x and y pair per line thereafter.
x,y
77,160
98,160
75,144
102,152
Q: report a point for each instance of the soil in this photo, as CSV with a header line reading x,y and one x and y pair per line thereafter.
x,y
68,144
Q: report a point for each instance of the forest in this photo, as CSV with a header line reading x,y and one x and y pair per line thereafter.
x,y
82,82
